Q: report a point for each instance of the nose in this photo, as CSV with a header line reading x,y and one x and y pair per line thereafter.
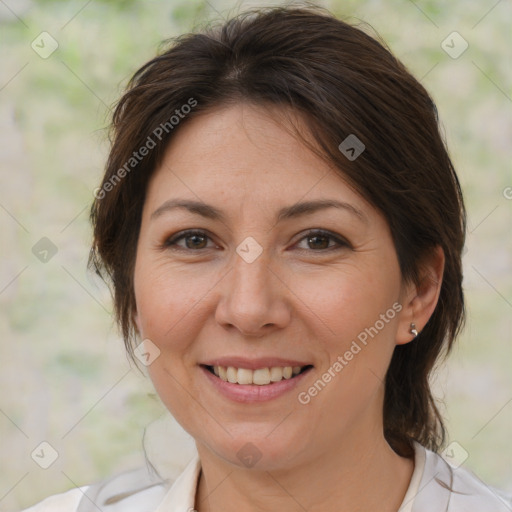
x,y
254,298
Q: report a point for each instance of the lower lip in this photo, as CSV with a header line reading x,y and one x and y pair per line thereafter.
x,y
246,393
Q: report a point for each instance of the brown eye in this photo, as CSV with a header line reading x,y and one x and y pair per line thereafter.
x,y
194,240
319,240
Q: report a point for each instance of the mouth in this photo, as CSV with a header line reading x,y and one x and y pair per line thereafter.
x,y
266,376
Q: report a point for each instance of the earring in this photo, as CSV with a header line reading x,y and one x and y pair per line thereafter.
x,y
413,330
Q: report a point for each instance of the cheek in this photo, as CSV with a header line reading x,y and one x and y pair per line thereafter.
x,y
357,311
167,298
349,300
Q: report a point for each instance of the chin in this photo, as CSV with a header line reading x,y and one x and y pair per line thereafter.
x,y
257,452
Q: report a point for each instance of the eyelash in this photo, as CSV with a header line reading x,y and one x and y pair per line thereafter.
x,y
171,243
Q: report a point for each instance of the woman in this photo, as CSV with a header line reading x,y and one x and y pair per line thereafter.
x,y
283,228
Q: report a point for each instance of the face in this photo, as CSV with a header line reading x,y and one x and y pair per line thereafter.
x,y
254,287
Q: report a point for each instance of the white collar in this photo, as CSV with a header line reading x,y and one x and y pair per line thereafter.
x,y
435,485
181,496
417,475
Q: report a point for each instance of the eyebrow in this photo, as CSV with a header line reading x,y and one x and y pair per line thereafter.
x,y
296,210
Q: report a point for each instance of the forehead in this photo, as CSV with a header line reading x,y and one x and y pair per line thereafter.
x,y
245,154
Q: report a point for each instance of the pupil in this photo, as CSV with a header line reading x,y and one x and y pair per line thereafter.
x,y
316,237
190,246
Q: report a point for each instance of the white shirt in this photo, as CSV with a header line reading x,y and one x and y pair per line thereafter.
x,y
435,487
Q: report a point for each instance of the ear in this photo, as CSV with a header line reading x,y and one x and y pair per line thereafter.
x,y
419,300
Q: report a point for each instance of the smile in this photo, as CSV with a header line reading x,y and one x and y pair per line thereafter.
x,y
259,376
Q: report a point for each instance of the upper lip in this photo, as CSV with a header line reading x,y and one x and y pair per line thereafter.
x,y
253,364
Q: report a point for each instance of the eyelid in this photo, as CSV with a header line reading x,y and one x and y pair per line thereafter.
x,y
341,241
171,242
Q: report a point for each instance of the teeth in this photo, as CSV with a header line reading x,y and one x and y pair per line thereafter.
x,y
222,372
260,377
244,376
276,374
232,374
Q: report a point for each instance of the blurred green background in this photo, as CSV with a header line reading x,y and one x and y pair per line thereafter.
x,y
64,375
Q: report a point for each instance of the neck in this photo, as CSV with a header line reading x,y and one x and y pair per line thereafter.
x,y
351,476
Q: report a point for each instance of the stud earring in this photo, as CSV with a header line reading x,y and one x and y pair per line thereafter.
x,y
413,330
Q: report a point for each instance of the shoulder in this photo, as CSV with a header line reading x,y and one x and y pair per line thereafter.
x,y
138,490
65,502
472,493
457,489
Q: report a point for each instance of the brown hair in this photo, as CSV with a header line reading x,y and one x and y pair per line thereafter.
x,y
340,81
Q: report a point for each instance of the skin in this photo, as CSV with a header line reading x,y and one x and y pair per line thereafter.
x,y
298,300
